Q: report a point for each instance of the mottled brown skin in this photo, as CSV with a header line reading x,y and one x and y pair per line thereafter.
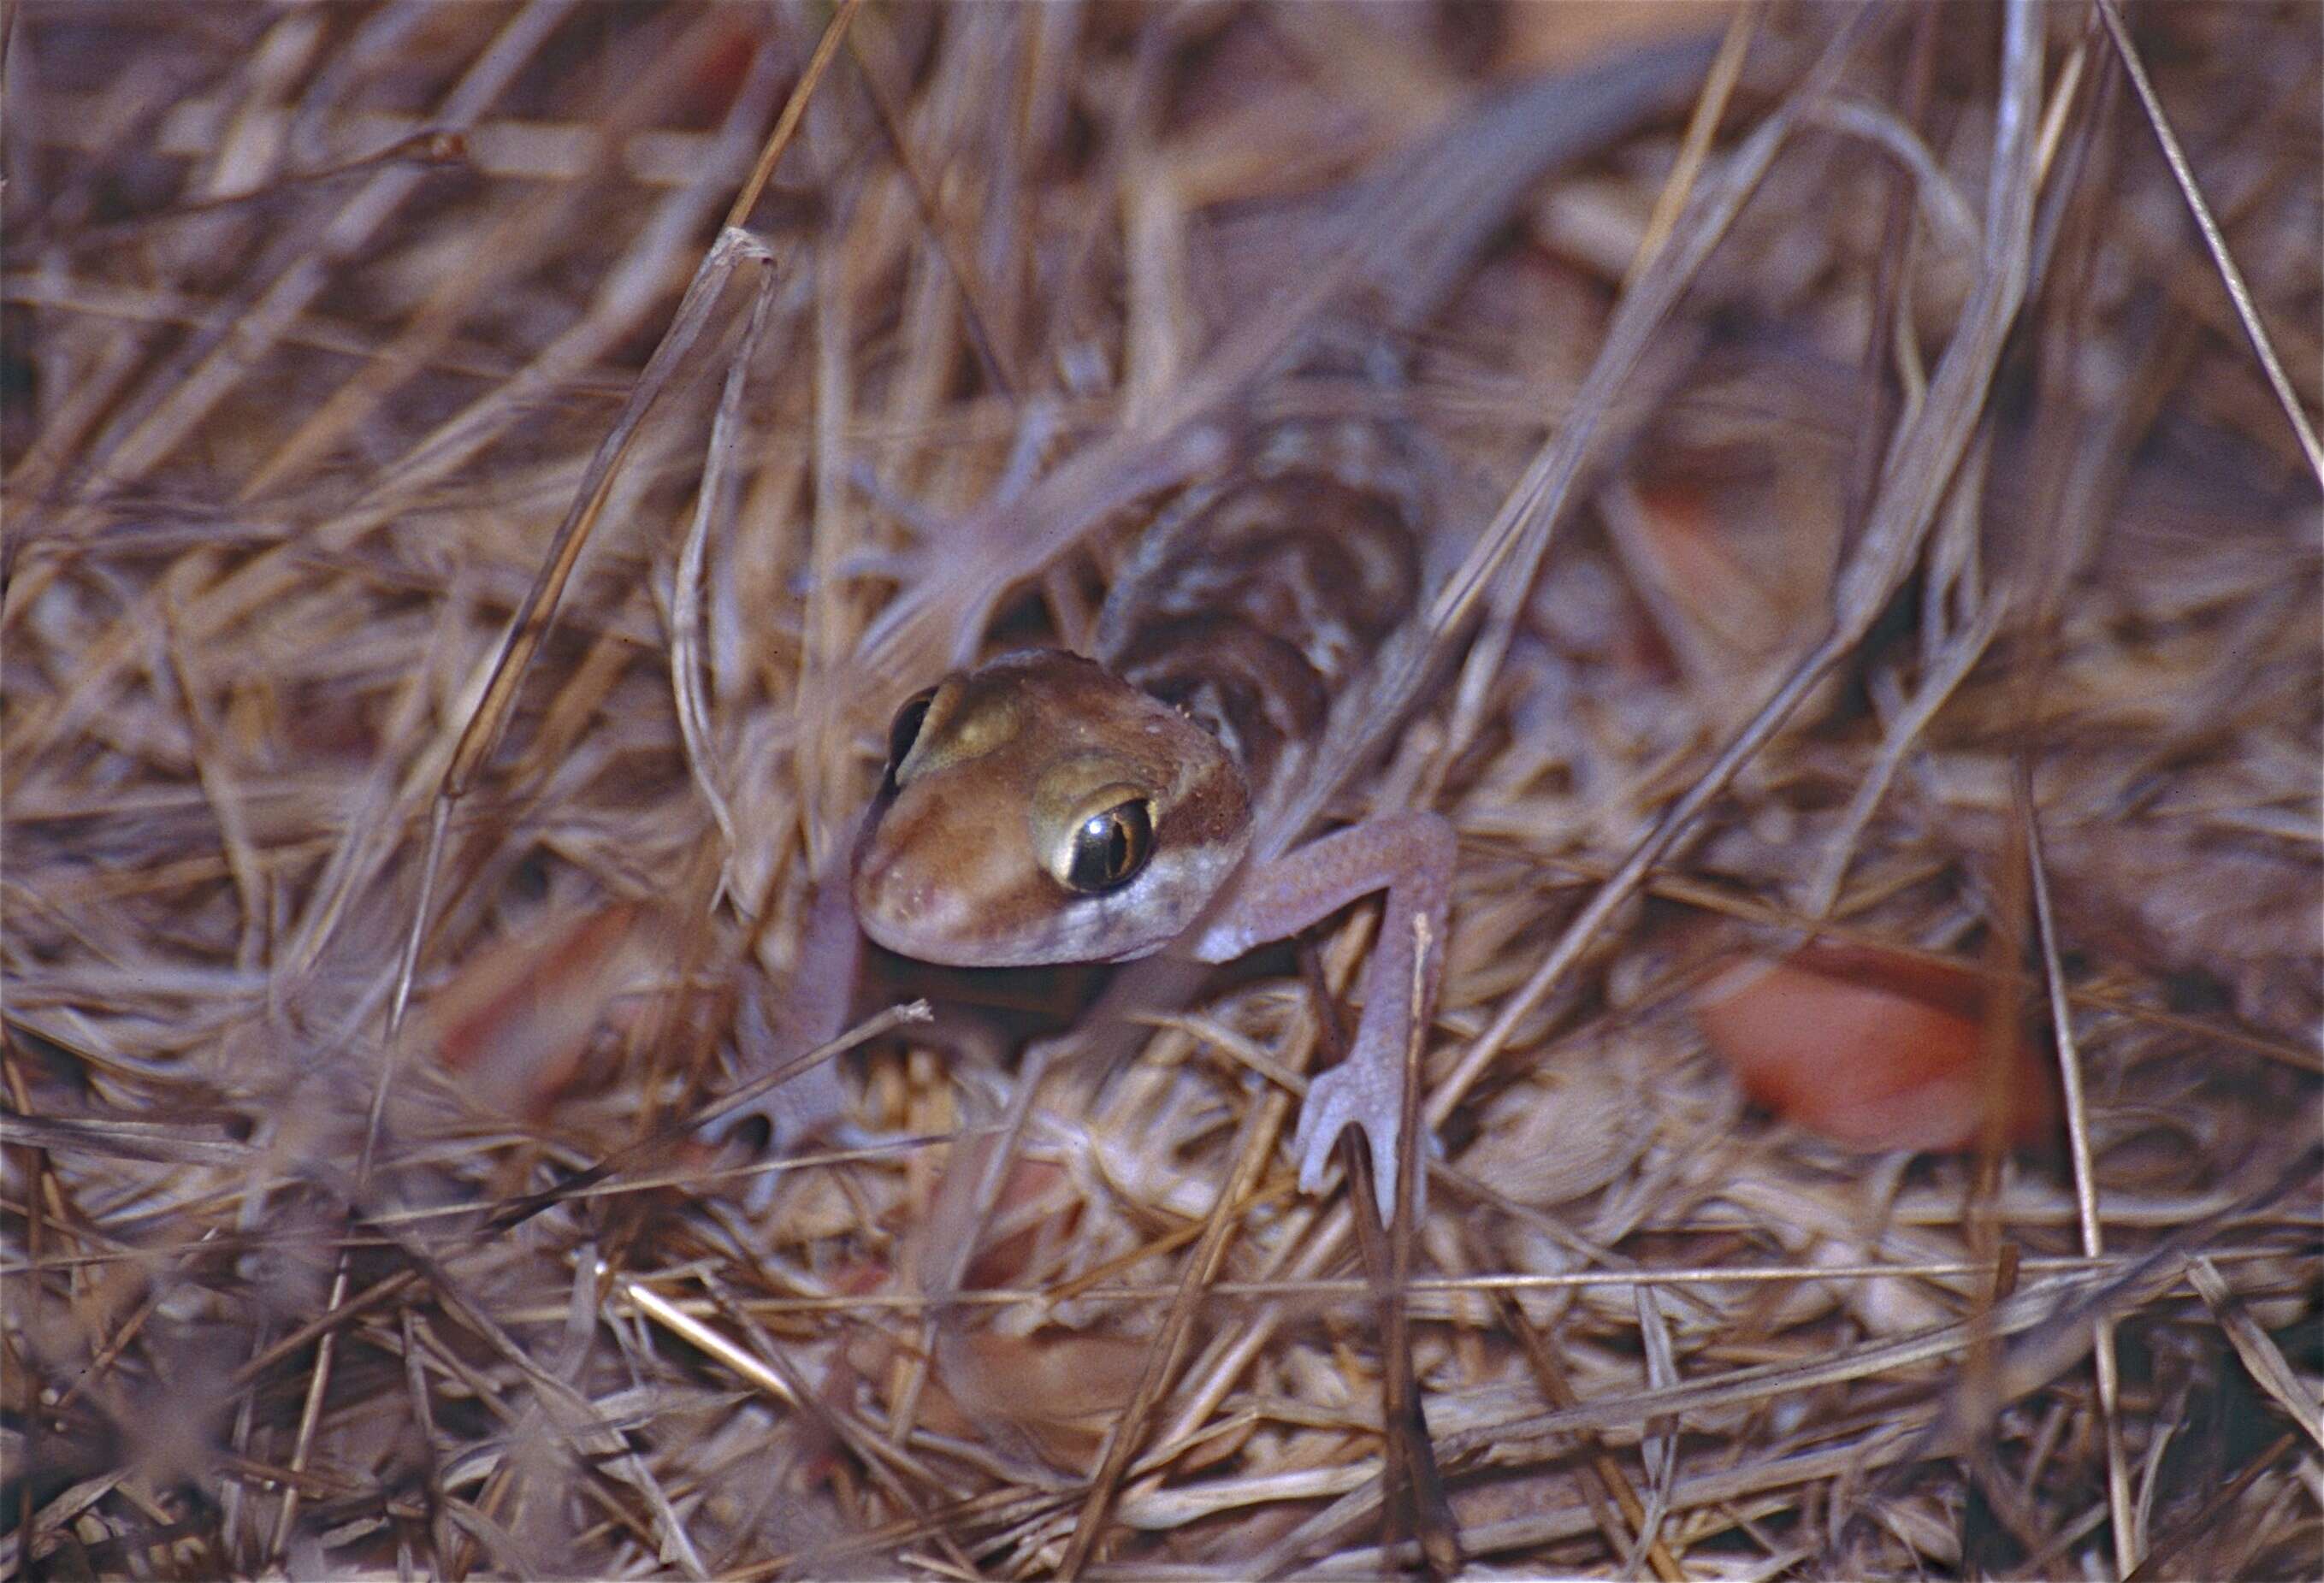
x,y
1256,602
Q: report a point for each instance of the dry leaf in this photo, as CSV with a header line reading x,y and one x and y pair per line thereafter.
x,y
1872,1049
1061,1390
513,1023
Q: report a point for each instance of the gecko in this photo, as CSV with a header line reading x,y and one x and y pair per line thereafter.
x,y
1047,806
1051,807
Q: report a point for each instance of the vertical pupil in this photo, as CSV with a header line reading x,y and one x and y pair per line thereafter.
x,y
1108,848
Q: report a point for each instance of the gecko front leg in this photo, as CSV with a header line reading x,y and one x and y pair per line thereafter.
x,y
784,1013
1410,856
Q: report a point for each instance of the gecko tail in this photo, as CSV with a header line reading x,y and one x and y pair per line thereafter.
x,y
1446,195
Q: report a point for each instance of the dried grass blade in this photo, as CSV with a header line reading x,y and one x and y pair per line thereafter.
x,y
1954,663
2086,1192
1416,1503
530,623
1923,460
1263,1118
713,502
2262,344
1605,1479
2269,1369
786,127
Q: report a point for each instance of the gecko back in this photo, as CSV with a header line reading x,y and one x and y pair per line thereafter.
x,y
1259,598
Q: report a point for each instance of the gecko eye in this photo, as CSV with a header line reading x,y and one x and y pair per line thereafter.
x,y
905,730
1111,846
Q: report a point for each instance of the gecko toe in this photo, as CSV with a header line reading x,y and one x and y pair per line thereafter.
x,y
1338,1100
1346,1098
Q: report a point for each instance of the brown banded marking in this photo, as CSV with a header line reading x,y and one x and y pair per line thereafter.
x,y
1254,601
1328,566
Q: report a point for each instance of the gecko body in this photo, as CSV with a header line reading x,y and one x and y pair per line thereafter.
x,y
1048,808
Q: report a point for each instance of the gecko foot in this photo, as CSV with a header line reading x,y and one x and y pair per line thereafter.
x,y
1360,1093
810,1107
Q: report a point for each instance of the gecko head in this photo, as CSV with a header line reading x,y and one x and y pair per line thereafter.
x,y
1039,809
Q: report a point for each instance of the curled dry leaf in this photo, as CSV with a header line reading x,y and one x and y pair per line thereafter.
x,y
513,1023
1565,1135
1059,1389
1053,1391
1730,576
1872,1049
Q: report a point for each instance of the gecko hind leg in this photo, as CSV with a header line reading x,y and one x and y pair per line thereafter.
x,y
1410,856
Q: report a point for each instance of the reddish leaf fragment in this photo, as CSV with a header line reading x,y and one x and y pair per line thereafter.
x,y
515,1021
1060,1389
1872,1049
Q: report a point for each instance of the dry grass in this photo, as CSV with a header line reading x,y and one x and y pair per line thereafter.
x,y
365,976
